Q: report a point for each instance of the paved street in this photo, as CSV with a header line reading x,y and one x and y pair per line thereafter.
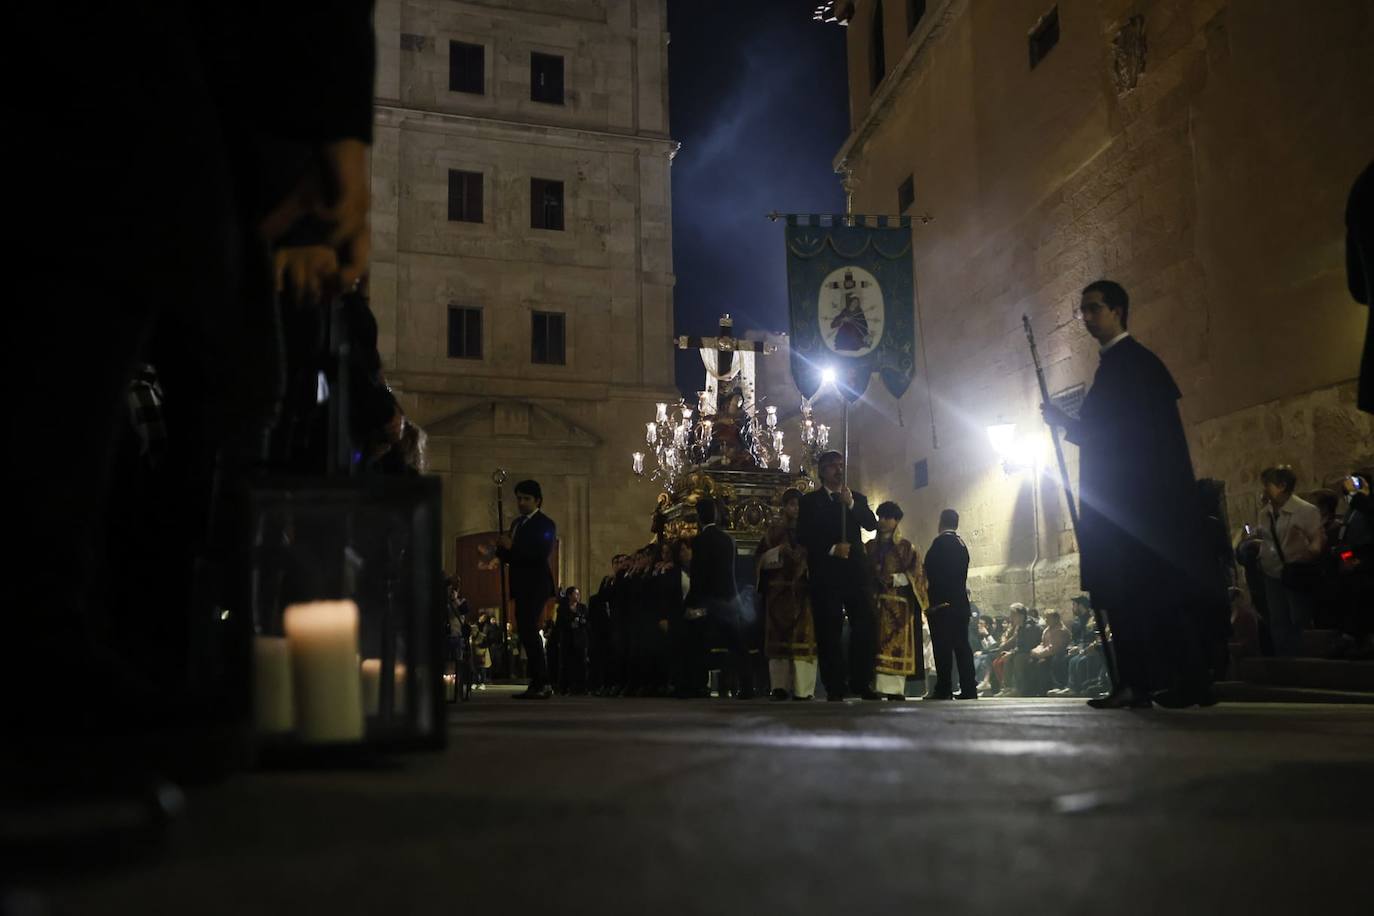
x,y
640,806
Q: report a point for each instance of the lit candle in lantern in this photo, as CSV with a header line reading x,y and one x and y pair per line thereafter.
x,y
702,397
323,636
650,432
273,704
637,461
772,416
450,686
662,415
371,674
686,414
785,463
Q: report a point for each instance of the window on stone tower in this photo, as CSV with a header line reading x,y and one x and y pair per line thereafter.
x,y
467,67
546,339
464,196
1044,36
915,9
877,54
464,332
906,194
546,78
546,204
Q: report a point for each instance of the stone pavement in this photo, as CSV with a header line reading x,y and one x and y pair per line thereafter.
x,y
582,805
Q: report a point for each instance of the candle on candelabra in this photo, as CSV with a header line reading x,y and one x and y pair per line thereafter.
x,y
650,432
785,463
637,460
323,636
702,398
662,415
772,416
777,440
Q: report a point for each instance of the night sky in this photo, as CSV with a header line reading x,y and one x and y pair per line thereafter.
x,y
758,100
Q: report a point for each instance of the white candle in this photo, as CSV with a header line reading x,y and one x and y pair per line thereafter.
x,y
273,707
371,672
324,662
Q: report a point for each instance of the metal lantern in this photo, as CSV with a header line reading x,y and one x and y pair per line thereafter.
x,y
340,565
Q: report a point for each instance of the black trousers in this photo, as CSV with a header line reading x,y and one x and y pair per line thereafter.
x,y
949,643
830,601
528,610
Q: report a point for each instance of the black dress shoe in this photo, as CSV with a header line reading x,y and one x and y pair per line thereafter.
x,y
967,696
938,696
870,694
897,697
542,693
802,699
1182,697
778,694
1125,698
834,698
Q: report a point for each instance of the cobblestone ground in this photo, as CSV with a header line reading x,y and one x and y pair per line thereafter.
x,y
581,805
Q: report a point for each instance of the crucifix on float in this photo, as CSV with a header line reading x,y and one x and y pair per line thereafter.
x,y
718,354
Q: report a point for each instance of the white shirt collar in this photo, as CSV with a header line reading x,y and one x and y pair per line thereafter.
x,y
949,530
708,525
1115,340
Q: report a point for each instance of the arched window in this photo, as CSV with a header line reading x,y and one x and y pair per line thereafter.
x,y
877,56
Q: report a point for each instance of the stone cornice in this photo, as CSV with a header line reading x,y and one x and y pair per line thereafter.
x,y
391,115
524,388
892,86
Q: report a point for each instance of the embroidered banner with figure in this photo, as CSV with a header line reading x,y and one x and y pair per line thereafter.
x,y
852,303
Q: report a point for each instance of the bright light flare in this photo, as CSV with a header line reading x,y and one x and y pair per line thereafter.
x,y
828,376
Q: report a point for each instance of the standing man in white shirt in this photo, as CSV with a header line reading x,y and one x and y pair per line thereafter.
x,y
1288,531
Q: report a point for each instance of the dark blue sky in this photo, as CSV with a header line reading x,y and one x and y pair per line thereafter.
x,y
758,99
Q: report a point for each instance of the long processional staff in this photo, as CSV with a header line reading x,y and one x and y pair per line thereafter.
x,y
1141,559
526,552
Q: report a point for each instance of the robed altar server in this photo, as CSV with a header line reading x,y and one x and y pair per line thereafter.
x,y
789,635
829,528
899,588
1141,557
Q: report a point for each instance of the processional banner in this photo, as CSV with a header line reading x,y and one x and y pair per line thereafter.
x,y
852,302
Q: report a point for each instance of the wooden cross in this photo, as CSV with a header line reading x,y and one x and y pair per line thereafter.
x,y
725,341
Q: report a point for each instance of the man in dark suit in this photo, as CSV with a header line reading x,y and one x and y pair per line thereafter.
x,y
947,584
1142,554
829,528
526,552
714,591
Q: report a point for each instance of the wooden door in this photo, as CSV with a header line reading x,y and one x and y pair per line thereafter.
x,y
482,587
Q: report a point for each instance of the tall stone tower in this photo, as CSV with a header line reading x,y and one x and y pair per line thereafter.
x,y
522,259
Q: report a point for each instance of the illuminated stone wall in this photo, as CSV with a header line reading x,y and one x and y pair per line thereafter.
x,y
609,272
1199,153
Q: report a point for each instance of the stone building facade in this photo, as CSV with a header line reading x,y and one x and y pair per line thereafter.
x,y
1197,151
522,261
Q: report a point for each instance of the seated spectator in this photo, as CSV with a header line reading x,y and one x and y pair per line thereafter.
x,y
1353,570
1036,672
1021,636
983,648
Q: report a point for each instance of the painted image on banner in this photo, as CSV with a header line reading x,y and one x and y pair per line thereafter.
x,y
850,311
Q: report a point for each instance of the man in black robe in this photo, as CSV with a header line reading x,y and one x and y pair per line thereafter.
x,y
1140,552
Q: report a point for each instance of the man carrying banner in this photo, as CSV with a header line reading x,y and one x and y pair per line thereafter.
x,y
1140,557
829,528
